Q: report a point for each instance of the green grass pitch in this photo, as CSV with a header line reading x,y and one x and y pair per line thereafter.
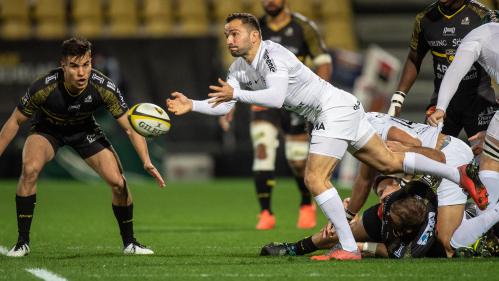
x,y
199,231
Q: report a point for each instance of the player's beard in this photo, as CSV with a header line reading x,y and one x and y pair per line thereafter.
x,y
276,10
239,52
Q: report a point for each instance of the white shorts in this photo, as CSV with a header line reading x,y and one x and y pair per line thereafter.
x,y
493,129
457,153
340,129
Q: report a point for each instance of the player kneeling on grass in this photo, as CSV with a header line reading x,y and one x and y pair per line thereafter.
x,y
61,106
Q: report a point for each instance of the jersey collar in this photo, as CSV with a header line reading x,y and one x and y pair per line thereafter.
x,y
255,61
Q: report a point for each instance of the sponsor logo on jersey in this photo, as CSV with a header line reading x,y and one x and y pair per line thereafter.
x,y
449,31
398,252
437,43
74,107
465,21
485,116
450,53
88,99
91,138
25,99
428,232
289,32
319,126
356,106
111,85
98,78
50,78
269,61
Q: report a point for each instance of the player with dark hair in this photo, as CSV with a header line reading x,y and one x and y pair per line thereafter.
x,y
300,36
60,106
267,74
439,29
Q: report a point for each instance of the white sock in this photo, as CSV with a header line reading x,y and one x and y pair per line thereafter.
x,y
470,230
491,181
332,207
415,163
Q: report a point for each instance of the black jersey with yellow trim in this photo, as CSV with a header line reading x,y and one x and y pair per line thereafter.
x,y
300,36
48,103
440,32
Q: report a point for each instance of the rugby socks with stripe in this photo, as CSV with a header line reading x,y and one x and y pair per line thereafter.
x,y
264,182
306,197
330,203
304,246
25,206
415,163
124,216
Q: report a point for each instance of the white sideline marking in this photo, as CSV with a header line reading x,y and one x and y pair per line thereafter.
x,y
45,274
3,250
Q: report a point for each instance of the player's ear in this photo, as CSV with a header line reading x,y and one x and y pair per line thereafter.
x,y
255,36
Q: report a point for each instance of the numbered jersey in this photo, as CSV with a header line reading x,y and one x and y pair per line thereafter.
x,y
382,122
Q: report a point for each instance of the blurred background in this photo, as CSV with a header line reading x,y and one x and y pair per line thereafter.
x,y
153,47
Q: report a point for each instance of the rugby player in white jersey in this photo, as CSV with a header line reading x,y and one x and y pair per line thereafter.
x,y
267,74
480,45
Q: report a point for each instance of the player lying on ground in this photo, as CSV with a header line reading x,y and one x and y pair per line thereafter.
x,y
60,106
279,79
385,231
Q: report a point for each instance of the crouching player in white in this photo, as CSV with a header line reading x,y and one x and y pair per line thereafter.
x,y
480,45
274,77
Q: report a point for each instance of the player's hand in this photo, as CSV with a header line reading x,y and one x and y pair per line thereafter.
x,y
149,167
477,141
396,146
179,104
328,231
346,202
221,94
436,118
224,121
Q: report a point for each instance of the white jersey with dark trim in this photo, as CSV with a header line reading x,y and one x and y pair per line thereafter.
x,y
276,78
482,45
382,122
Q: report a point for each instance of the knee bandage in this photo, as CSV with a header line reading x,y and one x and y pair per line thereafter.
x,y
263,133
296,150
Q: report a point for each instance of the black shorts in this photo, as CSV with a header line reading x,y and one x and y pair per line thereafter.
x,y
372,223
290,122
472,113
87,142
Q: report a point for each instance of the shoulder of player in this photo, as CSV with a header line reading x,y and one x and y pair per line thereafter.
x,y
427,11
98,79
46,80
478,8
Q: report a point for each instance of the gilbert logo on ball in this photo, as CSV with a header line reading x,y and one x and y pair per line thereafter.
x,y
149,120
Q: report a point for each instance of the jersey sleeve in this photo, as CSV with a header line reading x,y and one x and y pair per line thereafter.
x,y
418,42
466,55
315,43
110,94
35,96
276,78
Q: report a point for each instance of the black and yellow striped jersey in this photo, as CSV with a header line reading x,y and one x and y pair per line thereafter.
x,y
441,32
50,104
300,36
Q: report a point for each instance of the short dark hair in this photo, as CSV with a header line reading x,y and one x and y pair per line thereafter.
x,y
411,211
246,18
76,46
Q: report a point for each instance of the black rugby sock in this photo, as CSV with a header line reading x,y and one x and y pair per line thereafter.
x,y
264,182
305,246
306,198
124,216
25,207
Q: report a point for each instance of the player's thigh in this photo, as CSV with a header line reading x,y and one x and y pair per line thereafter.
x,y
375,154
37,151
448,220
106,164
321,163
478,115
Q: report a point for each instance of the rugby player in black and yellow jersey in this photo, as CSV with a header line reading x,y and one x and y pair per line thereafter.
x,y
439,29
60,106
299,35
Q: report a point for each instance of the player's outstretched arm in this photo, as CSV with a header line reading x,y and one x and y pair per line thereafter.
x,y
179,104
140,145
10,128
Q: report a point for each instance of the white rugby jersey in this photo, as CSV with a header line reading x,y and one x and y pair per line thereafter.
x,y
482,45
277,78
382,122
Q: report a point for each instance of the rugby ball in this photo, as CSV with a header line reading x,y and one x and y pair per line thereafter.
x,y
149,120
